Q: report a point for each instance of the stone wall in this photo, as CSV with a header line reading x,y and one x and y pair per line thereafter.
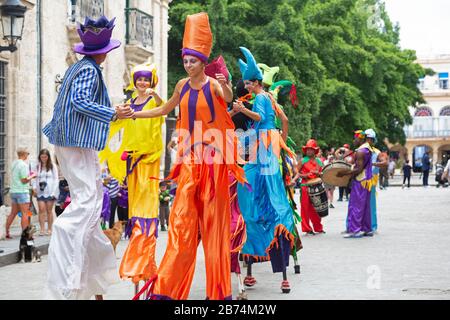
x,y
58,36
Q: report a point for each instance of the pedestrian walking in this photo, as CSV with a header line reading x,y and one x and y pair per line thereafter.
x,y
46,190
384,171
164,200
20,190
406,173
426,165
391,168
81,259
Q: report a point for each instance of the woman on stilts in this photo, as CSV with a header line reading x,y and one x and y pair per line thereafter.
x,y
138,162
201,209
265,208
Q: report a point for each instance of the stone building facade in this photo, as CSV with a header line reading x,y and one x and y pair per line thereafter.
x,y
30,77
431,121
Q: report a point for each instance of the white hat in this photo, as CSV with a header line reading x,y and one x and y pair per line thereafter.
x,y
370,133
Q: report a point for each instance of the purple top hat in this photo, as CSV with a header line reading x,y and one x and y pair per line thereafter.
x,y
96,37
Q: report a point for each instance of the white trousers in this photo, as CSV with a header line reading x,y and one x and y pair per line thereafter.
x,y
81,259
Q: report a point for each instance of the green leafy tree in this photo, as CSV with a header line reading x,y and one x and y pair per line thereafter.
x,y
343,56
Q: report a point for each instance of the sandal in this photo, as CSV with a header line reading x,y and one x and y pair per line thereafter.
x,y
48,233
249,281
285,287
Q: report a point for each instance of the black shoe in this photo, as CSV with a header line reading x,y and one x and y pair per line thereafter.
x,y
321,232
163,228
310,233
340,200
331,206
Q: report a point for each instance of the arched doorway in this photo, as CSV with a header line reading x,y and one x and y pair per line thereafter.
x,y
444,154
398,152
417,155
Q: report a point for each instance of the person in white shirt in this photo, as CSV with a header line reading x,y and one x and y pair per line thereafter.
x,y
46,190
329,188
172,146
446,171
392,168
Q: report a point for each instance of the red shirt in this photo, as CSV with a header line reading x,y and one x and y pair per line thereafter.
x,y
312,164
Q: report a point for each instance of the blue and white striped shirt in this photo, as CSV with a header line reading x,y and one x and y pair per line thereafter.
x,y
113,188
82,112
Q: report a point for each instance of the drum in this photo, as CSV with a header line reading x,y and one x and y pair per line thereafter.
x,y
330,171
318,196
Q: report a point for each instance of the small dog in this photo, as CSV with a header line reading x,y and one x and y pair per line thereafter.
x,y
115,234
28,252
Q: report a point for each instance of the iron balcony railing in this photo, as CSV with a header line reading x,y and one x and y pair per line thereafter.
x,y
80,9
429,127
139,28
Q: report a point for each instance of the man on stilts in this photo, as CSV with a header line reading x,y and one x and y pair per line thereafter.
x,y
81,259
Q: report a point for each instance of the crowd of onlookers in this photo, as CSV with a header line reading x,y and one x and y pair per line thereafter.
x,y
45,182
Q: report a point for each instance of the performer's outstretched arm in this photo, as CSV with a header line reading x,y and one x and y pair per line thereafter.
x,y
164,109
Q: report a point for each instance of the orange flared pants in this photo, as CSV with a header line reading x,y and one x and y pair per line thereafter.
x,y
201,211
139,260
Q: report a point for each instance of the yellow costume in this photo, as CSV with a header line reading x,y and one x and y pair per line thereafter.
x,y
133,154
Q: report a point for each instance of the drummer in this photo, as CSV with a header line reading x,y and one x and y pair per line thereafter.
x,y
308,169
359,222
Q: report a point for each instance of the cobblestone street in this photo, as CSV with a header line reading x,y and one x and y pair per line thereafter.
x,y
407,259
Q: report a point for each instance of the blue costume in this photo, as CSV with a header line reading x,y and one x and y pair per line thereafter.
x,y
266,210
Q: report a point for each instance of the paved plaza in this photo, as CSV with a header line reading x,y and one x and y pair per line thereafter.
x,y
408,258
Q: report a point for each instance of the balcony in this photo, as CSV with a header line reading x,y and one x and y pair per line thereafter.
x,y
429,127
80,9
91,8
139,35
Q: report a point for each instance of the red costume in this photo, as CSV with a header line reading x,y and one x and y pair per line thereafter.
x,y
308,213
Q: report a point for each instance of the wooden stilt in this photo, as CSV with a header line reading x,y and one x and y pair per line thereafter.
x,y
136,288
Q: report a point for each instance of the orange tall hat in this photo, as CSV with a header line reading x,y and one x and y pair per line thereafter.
x,y
197,40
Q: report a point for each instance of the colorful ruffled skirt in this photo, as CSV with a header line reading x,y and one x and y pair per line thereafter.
x,y
267,212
